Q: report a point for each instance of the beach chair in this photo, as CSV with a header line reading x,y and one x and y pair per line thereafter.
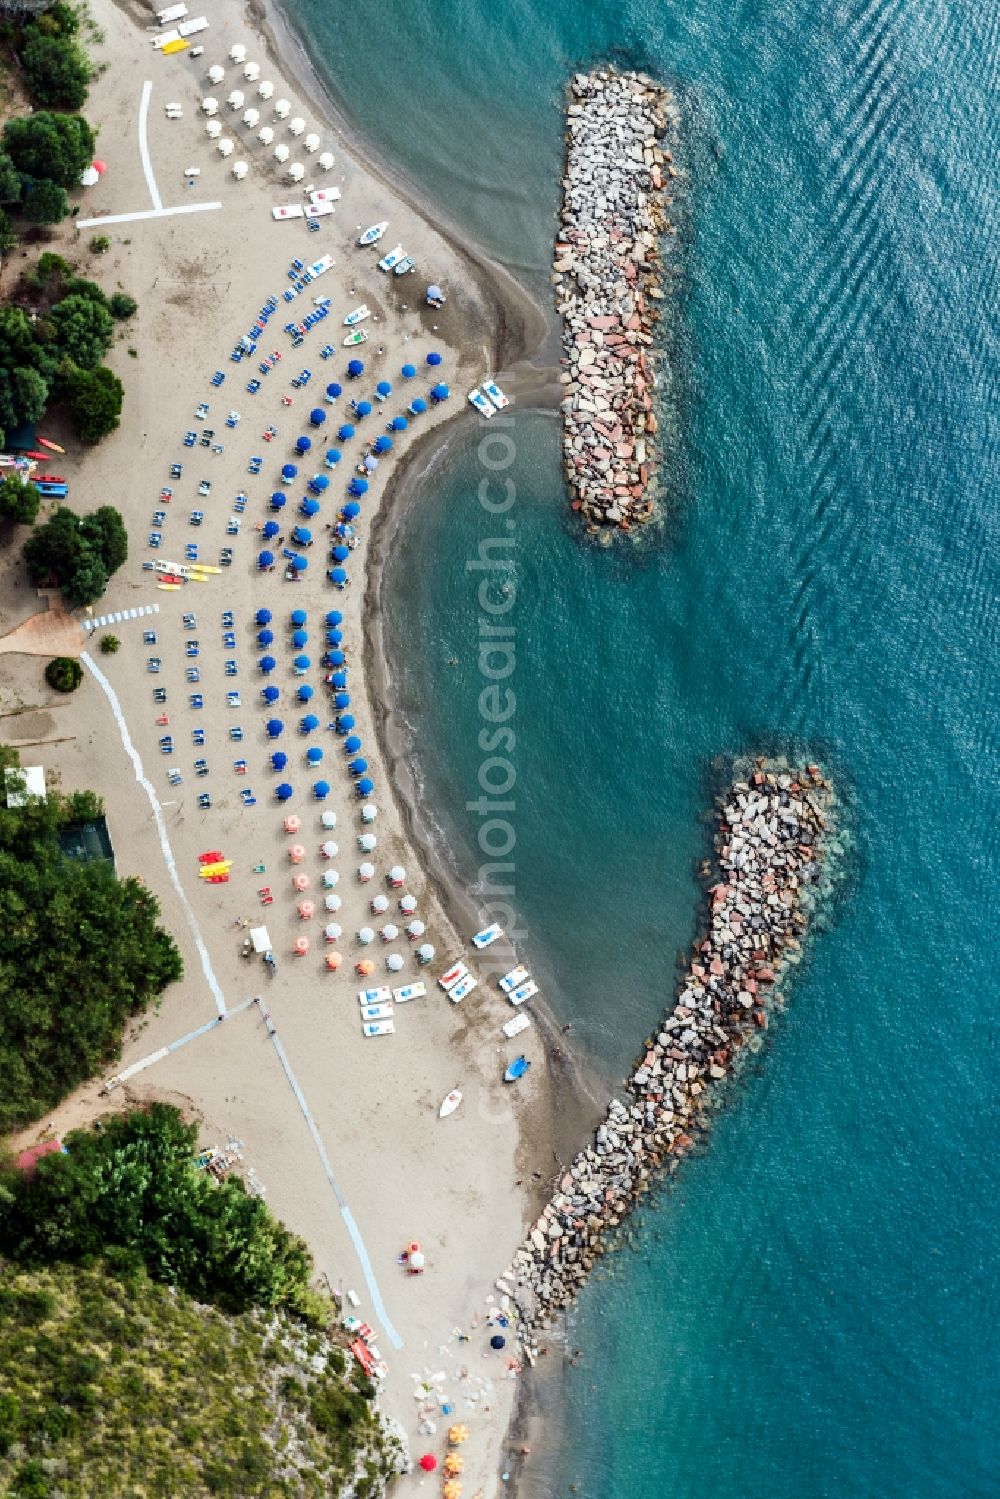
x,y
240,767
159,694
166,744
153,664
174,777
205,800
229,641
149,637
266,898
247,798
191,552
231,669
233,701
198,739
236,733
193,673
201,767
162,721
218,378
196,700
260,868
228,619
154,539
192,647
189,621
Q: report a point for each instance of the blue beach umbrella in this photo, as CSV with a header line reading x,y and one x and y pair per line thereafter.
x,y
283,791
299,562
352,509
302,535
309,508
333,457
288,472
318,483
278,500
263,616
337,575
302,663
342,700
271,528
358,486
298,618
382,444
339,680
399,424
302,445
364,787
279,760
345,432
274,728
265,637
314,755
334,637
265,559
335,658
321,790
355,368
345,723
433,358
357,767
304,693
340,553
363,408
309,723
352,744
300,637
270,694
267,663
333,617
419,406
317,416
383,389
332,391
408,371
440,393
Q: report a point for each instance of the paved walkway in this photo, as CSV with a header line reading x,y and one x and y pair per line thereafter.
x,y
54,632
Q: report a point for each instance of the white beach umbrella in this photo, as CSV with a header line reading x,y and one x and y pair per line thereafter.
x,y
311,142
367,842
216,75
369,812
425,953
379,905
332,902
333,931
281,153
415,929
366,935
238,52
89,177
265,89
226,147
265,135
250,118
210,106
394,962
251,72
240,170
297,125
282,109
408,904
236,99
326,160
389,932
328,820
213,129
296,171
366,872
330,878
396,875
329,849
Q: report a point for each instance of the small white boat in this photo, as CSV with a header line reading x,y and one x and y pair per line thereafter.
x,y
378,1028
355,337
464,986
525,991
357,316
481,404
450,1104
376,1012
511,980
492,390
379,996
393,258
516,1026
489,934
409,991
374,234
451,978
402,266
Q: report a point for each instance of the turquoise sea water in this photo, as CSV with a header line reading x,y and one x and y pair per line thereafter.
x,y
812,1309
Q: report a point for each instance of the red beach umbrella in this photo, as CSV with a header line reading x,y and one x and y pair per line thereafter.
x,y
428,1462
100,166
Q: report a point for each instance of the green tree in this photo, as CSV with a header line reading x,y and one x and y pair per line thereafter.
x,y
8,234
45,203
86,581
96,397
84,330
64,674
19,501
104,530
52,146
10,180
56,69
31,392
122,306
52,550
79,552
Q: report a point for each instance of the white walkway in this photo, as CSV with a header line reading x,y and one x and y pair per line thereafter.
x,y
119,616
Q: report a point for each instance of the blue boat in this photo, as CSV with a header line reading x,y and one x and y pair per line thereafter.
x,y
517,1069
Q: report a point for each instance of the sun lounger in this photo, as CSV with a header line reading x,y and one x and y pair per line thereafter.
x,y
378,996
525,991
514,1027
376,1012
453,976
409,991
462,988
378,1028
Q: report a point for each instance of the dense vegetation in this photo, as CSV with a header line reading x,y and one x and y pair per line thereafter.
x,y
118,1387
53,336
64,674
80,954
79,551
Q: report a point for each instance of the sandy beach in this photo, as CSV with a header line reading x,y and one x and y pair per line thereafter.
x,y
342,1131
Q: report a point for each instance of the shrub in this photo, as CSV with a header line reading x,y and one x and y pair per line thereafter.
x,y
109,645
45,203
84,329
63,674
50,146
56,70
79,552
19,501
96,397
122,306
100,243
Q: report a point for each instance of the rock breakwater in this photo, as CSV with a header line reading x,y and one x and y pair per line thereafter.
x,y
606,273
771,842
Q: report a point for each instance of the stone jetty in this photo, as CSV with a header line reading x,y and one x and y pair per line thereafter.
x,y
772,842
607,275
